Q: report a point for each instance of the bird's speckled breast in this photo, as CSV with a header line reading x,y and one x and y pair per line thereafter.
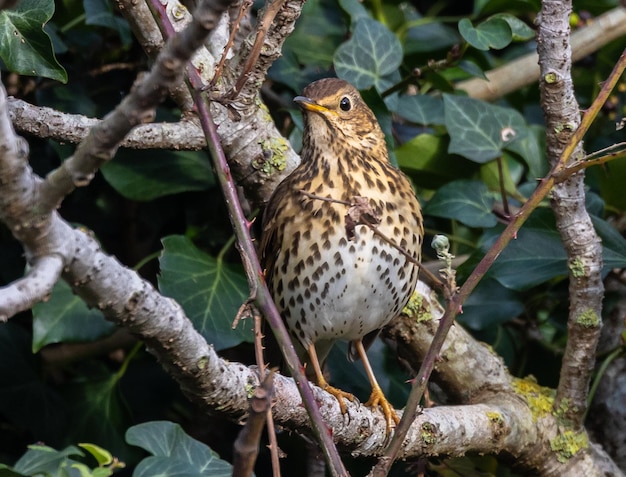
x,y
331,287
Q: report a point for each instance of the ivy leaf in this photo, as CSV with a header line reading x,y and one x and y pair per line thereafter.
x,y
41,459
372,53
99,412
490,304
532,149
467,201
426,34
65,318
479,130
320,29
100,12
519,30
539,253
174,453
147,175
25,47
209,290
426,160
472,68
421,109
355,9
492,33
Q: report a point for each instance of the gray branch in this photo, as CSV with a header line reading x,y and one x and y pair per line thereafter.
x,y
582,245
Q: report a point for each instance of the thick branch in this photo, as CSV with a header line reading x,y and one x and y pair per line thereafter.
x,y
581,243
36,286
48,123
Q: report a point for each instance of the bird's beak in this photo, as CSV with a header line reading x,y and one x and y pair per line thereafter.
x,y
309,105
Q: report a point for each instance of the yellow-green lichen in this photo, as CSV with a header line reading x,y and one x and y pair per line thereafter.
x,y
588,318
250,386
562,410
415,308
428,434
495,417
202,362
274,155
577,267
539,398
262,108
567,444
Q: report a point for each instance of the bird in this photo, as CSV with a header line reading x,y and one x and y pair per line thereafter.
x,y
341,235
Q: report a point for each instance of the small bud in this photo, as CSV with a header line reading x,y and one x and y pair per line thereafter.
x,y
440,243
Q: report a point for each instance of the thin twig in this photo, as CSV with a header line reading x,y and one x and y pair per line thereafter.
x,y
268,17
243,10
589,161
260,362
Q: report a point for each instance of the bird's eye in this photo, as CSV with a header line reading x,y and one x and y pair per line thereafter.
x,y
345,104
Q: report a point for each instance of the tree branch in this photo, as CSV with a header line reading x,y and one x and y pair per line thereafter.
x,y
48,123
578,235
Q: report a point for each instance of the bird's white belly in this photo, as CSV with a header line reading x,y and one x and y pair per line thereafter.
x,y
354,292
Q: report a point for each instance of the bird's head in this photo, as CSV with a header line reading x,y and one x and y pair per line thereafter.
x,y
335,113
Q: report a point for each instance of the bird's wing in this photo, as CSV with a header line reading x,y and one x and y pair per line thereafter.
x,y
269,239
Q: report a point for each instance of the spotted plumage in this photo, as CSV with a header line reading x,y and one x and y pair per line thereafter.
x,y
327,283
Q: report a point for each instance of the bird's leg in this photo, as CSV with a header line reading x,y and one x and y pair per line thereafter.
x,y
377,398
322,383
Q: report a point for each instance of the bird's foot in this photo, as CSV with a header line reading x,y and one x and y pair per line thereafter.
x,y
377,398
339,395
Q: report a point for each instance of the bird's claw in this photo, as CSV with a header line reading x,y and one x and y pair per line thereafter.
x,y
339,395
377,398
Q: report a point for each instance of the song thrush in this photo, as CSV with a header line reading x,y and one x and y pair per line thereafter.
x,y
331,275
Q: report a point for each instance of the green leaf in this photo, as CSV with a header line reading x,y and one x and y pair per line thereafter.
x,y
511,171
174,453
370,54
489,304
532,149
479,130
472,68
421,109
100,12
539,252
535,256
25,48
65,318
99,412
520,31
426,34
147,175
209,290
492,33
40,459
102,456
355,9
321,29
426,160
467,201
613,245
